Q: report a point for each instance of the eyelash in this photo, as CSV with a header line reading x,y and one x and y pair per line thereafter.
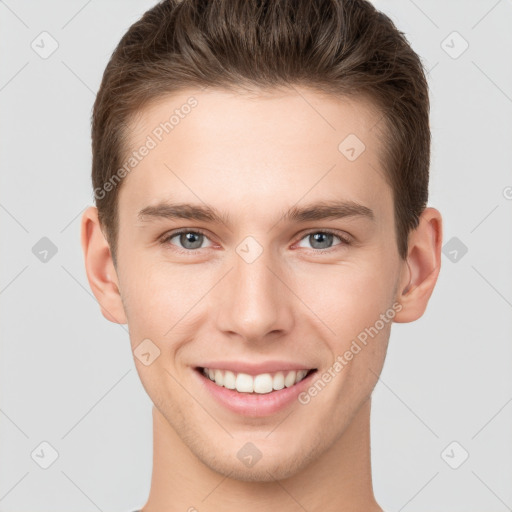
x,y
345,241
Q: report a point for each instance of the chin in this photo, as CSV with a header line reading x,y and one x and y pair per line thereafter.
x,y
262,471
278,461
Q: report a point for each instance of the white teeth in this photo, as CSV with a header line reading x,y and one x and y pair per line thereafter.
x,y
300,375
229,380
219,377
289,380
278,381
261,384
244,383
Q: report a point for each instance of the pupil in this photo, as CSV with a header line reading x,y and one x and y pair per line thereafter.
x,y
188,238
322,238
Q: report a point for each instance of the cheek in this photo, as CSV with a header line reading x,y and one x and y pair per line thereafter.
x,y
157,303
357,307
162,299
348,297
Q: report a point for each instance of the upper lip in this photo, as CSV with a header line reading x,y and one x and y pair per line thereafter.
x,y
254,368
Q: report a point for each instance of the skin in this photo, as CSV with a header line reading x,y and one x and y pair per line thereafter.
x,y
253,157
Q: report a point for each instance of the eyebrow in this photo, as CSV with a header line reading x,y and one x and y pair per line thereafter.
x,y
316,211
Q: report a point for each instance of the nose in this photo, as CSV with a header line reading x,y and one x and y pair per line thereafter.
x,y
254,302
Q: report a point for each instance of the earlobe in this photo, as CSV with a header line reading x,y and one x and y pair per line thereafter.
x,y
101,273
424,264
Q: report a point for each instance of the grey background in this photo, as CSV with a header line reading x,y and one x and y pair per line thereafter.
x,y
66,374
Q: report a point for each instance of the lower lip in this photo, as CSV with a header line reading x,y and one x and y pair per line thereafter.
x,y
255,404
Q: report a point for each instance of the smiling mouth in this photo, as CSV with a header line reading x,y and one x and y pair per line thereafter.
x,y
255,384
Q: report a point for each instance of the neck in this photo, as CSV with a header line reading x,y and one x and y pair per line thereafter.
x,y
339,480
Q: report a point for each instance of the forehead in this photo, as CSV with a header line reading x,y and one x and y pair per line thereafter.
x,y
244,152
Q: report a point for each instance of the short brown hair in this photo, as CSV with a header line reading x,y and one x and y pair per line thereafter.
x,y
340,47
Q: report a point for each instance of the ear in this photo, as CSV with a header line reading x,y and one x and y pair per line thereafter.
x,y
422,266
100,269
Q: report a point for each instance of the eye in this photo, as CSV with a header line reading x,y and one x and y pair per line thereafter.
x,y
188,240
322,240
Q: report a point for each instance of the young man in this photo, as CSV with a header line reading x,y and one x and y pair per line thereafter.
x,y
260,171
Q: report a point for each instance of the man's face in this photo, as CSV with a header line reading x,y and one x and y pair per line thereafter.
x,y
261,291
